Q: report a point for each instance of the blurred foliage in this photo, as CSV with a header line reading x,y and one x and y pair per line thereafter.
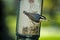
x,y
11,24
50,38
51,10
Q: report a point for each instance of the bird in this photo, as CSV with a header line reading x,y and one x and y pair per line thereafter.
x,y
34,16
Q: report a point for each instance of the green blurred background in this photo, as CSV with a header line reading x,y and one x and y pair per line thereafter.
x,y
50,29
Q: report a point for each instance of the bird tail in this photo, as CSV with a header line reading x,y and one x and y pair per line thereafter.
x,y
26,13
